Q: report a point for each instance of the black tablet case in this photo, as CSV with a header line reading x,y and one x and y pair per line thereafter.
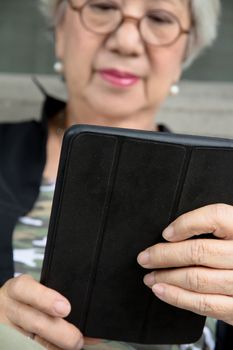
x,y
116,191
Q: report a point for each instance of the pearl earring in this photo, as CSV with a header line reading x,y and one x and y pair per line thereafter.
x,y
174,90
58,67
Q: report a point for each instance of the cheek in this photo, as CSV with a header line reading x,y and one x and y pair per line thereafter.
x,y
79,55
167,63
166,66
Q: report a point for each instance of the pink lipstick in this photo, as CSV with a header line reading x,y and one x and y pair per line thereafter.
x,y
118,78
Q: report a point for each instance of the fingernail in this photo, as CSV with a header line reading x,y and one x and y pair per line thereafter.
x,y
144,257
168,233
159,290
149,279
62,307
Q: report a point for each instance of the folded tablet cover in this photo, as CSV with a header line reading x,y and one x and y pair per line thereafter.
x,y
116,191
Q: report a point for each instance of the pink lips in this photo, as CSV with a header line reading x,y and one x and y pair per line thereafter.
x,y
118,78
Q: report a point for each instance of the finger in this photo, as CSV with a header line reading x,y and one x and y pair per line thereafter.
x,y
202,252
198,279
26,290
54,330
46,344
216,306
215,218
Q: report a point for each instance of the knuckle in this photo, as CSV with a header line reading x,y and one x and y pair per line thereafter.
x,y
14,286
159,255
14,313
38,326
17,285
197,251
207,307
196,280
192,279
203,306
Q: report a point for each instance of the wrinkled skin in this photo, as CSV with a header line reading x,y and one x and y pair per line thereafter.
x,y
195,274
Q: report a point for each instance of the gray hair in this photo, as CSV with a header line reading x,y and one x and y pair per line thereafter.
x,y
205,20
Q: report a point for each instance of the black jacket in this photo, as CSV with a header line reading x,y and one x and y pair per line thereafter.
x,y
22,161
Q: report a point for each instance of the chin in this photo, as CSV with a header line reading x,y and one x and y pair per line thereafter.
x,y
116,106
114,112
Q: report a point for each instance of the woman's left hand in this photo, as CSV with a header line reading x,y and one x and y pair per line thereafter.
x,y
195,274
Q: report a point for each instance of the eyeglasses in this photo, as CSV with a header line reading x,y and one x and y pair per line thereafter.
x,y
157,27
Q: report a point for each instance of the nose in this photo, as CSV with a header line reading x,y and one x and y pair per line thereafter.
x,y
126,39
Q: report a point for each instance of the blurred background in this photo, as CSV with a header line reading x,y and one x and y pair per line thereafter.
x,y
26,43
26,48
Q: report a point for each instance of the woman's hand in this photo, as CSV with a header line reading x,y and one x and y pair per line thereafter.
x,y
195,274
36,310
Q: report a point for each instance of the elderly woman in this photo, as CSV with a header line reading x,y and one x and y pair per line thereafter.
x,y
120,59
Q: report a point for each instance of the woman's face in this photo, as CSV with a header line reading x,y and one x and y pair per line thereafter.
x,y
118,75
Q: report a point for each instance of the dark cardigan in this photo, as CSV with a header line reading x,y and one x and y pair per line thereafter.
x,y
22,161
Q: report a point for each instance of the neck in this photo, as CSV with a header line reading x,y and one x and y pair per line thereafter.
x,y
142,120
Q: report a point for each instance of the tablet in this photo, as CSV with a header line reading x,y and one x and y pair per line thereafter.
x,y
116,191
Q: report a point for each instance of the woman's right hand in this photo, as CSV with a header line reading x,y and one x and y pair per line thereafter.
x,y
38,311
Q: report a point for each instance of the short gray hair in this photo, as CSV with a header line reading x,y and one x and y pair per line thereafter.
x,y
205,19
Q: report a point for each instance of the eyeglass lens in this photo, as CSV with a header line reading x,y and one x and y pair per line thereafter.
x,y
157,27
